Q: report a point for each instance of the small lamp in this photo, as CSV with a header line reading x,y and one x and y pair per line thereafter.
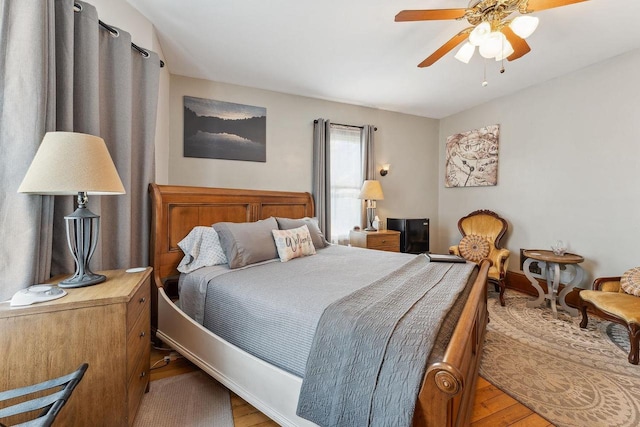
x,y
69,163
371,191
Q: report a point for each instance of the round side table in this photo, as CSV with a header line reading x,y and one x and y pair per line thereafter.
x,y
551,263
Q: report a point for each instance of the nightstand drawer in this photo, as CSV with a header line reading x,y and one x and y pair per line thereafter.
x,y
380,241
138,340
140,301
387,240
137,385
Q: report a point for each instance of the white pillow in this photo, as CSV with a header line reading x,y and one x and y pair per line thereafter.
x,y
293,243
201,248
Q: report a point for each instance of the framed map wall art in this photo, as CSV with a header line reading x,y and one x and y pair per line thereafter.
x,y
224,130
471,158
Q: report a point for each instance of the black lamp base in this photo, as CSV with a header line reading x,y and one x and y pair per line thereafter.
x,y
86,279
82,237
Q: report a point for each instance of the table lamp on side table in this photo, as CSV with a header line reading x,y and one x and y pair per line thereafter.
x,y
371,191
69,163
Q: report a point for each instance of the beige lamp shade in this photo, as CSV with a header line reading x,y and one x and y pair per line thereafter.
x,y
68,163
371,190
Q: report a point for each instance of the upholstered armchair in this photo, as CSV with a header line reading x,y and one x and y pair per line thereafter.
x,y
608,300
481,233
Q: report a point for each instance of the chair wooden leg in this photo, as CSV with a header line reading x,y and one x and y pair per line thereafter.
x,y
585,318
634,339
503,286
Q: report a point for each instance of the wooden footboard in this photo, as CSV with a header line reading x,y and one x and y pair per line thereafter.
x,y
446,397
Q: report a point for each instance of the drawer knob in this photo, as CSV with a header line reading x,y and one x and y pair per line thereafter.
x,y
143,374
142,300
142,334
384,241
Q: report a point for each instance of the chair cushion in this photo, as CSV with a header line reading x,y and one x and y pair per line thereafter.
x,y
474,248
630,281
624,306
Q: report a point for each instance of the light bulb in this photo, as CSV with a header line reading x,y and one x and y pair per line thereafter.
x,y
479,33
465,53
492,46
524,26
507,50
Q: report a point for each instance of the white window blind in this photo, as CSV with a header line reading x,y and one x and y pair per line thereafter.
x,y
345,179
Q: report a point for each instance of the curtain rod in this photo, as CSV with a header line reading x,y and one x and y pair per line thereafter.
x,y
78,8
353,126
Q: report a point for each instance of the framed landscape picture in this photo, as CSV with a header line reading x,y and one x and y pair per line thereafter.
x,y
224,130
471,158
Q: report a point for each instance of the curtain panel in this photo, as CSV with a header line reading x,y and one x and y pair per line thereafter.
x,y
368,164
321,168
65,72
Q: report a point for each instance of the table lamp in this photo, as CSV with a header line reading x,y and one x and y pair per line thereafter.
x,y
69,163
371,191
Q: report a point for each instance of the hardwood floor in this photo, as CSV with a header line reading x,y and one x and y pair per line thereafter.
x,y
492,407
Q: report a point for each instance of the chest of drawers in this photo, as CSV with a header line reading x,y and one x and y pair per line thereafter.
x,y
106,326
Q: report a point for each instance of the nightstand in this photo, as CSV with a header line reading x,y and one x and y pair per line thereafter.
x,y
385,240
106,326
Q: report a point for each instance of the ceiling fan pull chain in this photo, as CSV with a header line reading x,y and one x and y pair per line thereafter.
x,y
502,57
484,81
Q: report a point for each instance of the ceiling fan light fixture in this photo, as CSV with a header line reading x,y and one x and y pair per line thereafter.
x,y
492,46
524,26
480,33
465,53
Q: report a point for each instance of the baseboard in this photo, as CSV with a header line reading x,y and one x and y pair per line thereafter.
x,y
519,282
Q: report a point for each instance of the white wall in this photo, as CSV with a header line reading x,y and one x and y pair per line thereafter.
x,y
119,13
408,143
569,153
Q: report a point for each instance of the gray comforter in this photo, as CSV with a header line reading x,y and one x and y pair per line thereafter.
x,y
271,311
370,348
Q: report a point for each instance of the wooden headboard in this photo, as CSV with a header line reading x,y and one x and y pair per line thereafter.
x,y
177,209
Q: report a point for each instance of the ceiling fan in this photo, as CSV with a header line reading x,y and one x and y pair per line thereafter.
x,y
492,30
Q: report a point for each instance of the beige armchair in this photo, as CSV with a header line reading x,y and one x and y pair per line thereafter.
x,y
481,233
609,301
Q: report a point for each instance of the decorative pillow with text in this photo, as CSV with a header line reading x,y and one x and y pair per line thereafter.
x,y
293,243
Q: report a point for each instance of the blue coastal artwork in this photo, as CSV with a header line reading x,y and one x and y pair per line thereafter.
x,y
224,130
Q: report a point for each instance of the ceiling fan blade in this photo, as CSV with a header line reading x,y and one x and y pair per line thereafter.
x,y
520,45
429,15
446,48
536,5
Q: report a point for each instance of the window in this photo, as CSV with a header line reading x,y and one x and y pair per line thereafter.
x,y
345,178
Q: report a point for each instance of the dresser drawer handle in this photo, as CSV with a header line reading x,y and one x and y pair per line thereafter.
x,y
142,300
384,241
142,334
143,374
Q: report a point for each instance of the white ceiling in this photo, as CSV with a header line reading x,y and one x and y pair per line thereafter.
x,y
352,51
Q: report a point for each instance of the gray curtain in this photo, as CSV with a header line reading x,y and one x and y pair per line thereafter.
x,y
321,188
368,163
62,71
26,113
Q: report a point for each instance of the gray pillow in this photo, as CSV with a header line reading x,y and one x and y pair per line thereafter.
x,y
317,237
247,242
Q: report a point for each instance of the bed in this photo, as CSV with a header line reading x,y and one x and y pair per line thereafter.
x,y
447,388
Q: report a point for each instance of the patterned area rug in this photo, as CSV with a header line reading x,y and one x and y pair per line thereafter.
x,y
571,376
193,399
